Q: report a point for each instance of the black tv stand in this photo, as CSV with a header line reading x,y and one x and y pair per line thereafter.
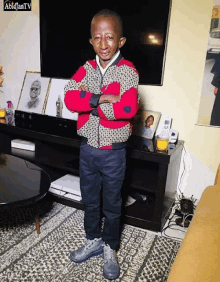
x,y
151,177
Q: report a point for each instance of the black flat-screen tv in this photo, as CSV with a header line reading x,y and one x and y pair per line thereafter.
x,y
65,34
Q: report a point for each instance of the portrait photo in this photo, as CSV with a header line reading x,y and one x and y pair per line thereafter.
x,y
34,93
209,113
145,123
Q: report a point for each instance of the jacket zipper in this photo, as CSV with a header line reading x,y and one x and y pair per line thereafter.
x,y
102,76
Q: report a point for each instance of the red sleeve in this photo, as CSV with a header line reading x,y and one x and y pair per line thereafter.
x,y
77,100
126,108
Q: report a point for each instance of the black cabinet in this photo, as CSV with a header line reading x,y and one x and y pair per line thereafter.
x,y
151,177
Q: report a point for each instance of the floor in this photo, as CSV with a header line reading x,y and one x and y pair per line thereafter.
x,y
171,229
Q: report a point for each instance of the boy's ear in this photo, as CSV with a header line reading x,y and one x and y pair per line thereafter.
x,y
122,41
90,41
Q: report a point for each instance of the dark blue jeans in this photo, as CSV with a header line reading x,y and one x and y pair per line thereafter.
x,y
102,169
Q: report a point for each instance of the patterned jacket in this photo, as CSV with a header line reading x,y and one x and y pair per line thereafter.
x,y
106,125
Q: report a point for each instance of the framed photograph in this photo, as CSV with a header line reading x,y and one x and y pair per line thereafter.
x,y
55,105
145,123
34,93
209,114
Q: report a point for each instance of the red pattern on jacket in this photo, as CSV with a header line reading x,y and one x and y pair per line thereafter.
x,y
119,79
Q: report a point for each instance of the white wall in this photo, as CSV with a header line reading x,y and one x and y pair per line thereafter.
x,y
179,96
20,49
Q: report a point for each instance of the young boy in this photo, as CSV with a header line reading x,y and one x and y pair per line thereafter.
x,y
104,93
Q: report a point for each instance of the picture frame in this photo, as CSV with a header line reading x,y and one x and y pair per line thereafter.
x,y
208,113
145,123
55,106
34,93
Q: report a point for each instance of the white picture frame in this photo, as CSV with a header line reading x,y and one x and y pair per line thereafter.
x,y
56,91
34,93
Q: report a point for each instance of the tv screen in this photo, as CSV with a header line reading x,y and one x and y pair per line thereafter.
x,y
65,34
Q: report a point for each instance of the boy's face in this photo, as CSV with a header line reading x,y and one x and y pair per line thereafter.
x,y
106,38
149,121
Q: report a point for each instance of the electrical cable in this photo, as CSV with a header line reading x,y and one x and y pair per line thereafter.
x,y
170,225
177,206
171,222
184,170
185,217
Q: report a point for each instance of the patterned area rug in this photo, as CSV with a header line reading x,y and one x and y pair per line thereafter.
x,y
27,256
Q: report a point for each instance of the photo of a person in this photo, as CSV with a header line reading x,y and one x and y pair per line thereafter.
x,y
145,123
35,91
146,129
209,113
215,115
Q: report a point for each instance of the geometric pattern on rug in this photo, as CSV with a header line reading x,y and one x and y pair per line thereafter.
x,y
27,256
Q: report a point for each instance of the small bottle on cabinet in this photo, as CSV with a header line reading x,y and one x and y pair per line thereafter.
x,y
59,106
9,112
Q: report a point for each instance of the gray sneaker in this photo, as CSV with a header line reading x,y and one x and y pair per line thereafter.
x,y
90,249
111,268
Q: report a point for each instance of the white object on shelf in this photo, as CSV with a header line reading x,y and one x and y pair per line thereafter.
x,y
173,135
130,201
56,191
164,125
72,196
68,184
23,144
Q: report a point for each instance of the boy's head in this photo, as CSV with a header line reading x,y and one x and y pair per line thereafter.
x,y
106,35
149,121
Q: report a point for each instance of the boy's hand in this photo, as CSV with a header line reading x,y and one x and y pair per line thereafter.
x,y
109,99
83,88
215,90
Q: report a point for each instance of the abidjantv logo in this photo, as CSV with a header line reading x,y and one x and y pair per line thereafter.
x,y
10,5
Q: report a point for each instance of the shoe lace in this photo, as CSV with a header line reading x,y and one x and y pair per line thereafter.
x,y
89,243
109,253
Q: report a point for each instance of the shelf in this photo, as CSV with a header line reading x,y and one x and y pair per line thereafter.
x,y
142,175
140,210
73,165
66,201
141,213
51,161
152,175
144,180
24,154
